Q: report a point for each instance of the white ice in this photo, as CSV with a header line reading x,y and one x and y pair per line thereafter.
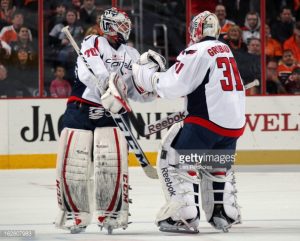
x,y
269,197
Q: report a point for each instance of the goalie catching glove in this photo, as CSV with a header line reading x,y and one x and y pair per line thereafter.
x,y
144,71
115,97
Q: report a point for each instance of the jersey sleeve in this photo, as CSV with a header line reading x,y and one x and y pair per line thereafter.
x,y
90,49
185,75
132,92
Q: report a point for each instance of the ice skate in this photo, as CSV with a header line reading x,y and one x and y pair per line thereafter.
x,y
113,220
220,220
74,222
179,226
219,199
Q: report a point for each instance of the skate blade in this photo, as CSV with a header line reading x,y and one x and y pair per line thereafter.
x,y
76,230
175,230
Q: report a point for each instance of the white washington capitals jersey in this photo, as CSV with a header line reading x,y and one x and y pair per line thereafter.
x,y
207,75
103,60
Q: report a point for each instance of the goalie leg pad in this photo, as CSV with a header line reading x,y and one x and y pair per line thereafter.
x,y
111,178
219,202
181,211
74,172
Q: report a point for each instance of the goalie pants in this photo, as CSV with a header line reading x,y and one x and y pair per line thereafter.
x,y
195,138
79,115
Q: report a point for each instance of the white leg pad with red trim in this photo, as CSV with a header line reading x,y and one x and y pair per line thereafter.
x,y
180,213
74,173
111,178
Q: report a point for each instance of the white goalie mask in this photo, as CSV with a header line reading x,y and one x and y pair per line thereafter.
x,y
204,24
116,24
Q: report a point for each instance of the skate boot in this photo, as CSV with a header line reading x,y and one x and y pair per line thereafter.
x,y
113,220
74,222
179,226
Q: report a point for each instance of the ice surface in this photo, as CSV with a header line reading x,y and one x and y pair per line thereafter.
x,y
269,198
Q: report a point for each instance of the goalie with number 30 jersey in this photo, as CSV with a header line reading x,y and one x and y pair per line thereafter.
x,y
206,75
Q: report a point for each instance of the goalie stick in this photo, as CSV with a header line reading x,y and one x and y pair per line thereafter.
x,y
149,170
145,130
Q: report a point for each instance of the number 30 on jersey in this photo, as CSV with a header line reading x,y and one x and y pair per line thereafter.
x,y
230,67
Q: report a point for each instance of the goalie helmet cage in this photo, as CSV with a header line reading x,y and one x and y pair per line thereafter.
x,y
136,8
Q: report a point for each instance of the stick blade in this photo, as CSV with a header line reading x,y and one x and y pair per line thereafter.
x,y
150,171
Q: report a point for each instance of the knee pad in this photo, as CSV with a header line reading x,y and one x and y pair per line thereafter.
x,y
218,194
74,172
111,178
180,188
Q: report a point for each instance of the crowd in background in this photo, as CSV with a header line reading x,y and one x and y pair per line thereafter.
x,y
240,29
19,63
18,48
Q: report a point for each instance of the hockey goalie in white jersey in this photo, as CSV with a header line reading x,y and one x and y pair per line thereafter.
x,y
92,166
206,75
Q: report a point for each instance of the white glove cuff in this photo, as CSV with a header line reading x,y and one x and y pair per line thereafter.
x,y
142,75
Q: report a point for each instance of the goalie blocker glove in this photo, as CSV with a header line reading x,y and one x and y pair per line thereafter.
x,y
144,71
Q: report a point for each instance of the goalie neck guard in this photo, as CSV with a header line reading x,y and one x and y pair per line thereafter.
x,y
116,25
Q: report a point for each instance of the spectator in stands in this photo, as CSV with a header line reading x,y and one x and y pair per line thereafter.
x,y
74,4
292,85
254,49
59,15
9,33
273,47
6,12
8,87
25,74
274,86
282,29
249,67
88,14
59,86
252,27
286,66
30,10
234,39
293,43
253,65
225,24
65,54
57,38
5,86
254,46
24,41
